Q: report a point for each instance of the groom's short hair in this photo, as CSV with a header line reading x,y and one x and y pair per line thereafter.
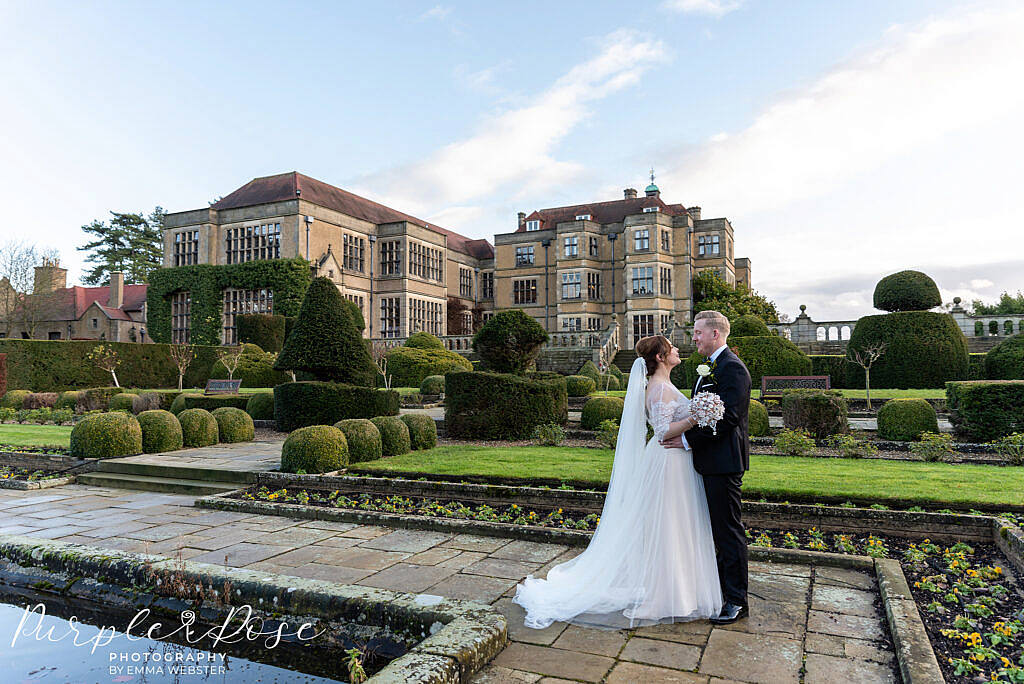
x,y
715,320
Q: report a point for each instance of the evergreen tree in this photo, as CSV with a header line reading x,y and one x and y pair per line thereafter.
x,y
1007,304
130,243
326,341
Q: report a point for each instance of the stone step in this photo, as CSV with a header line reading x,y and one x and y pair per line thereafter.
x,y
624,359
175,472
148,483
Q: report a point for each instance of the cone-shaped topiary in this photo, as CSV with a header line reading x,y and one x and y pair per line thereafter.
x,y
356,314
509,342
363,437
424,340
590,370
579,385
598,409
326,342
748,325
233,425
261,406
422,430
906,291
161,431
905,419
617,372
1005,361
394,435
758,416
314,449
106,435
432,384
198,428
122,402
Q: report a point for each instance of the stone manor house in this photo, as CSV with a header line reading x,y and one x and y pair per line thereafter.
x,y
578,270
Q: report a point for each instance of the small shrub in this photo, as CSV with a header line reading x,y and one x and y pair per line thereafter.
x,y
147,401
14,399
122,402
178,404
598,409
1011,447
363,437
161,431
934,446
424,340
432,384
607,382
7,414
988,410
819,412
550,434
37,400
794,443
748,325
509,341
394,435
198,427
614,370
903,420
579,385
422,430
62,416
608,432
758,419
106,435
260,406
233,425
849,446
67,400
314,449
590,370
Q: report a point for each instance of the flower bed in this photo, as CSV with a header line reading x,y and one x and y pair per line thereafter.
x,y
47,450
27,475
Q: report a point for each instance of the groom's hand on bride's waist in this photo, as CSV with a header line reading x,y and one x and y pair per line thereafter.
x,y
674,443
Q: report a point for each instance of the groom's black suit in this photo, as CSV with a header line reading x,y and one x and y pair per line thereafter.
x,y
722,459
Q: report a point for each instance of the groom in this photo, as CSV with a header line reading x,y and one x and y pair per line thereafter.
x,y
722,458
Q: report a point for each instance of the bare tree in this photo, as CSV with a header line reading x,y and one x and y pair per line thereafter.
x,y
230,357
19,307
865,358
104,356
182,355
379,352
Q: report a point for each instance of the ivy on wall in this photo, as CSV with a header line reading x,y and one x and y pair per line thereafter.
x,y
287,278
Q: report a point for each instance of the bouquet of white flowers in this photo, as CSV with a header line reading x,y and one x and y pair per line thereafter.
x,y
708,408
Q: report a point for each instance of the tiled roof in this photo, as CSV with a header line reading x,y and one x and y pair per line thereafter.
x,y
71,302
284,186
613,211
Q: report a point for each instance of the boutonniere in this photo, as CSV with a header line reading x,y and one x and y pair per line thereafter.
x,y
707,371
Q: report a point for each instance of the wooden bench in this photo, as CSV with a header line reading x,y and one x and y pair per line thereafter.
x,y
773,385
222,387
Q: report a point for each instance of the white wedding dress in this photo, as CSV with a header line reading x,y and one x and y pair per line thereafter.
x,y
652,557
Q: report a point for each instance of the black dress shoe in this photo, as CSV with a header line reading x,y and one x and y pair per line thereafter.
x,y
731,612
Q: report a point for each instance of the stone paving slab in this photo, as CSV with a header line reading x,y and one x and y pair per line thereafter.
x,y
829,616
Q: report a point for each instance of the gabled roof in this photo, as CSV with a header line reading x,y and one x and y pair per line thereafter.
x,y
71,302
283,187
613,211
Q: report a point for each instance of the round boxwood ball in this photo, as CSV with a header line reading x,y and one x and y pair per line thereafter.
x,y
906,291
198,427
905,419
67,400
607,382
314,449
422,430
122,402
161,431
617,372
14,399
590,370
424,340
579,385
748,325
1005,361
178,405
261,406
598,409
363,437
394,435
233,425
758,419
432,384
106,435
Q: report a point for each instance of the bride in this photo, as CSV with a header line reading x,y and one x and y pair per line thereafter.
x,y
652,558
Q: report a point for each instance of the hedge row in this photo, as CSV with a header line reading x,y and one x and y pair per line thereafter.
x,y
769,355
301,404
832,365
502,406
984,410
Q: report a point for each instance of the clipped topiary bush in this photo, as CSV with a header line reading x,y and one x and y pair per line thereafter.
x,y
67,400
161,431
14,399
922,350
298,404
983,411
215,401
38,400
410,366
394,435
260,406
607,382
424,340
579,385
599,409
264,330
106,435
758,417
1005,361
905,419
906,291
178,404
432,384
590,370
422,430
364,440
819,412
314,449
617,372
748,325
233,425
198,428
122,402
509,342
482,405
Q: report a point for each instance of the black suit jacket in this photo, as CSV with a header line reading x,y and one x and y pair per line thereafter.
x,y
728,451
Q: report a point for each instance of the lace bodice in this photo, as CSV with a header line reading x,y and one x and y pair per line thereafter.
x,y
665,405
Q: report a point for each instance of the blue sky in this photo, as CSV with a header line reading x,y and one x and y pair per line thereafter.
x,y
844,140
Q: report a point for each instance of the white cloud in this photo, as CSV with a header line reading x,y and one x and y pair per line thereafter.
x,y
981,283
438,12
714,8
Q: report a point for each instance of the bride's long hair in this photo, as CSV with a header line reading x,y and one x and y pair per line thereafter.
x,y
650,348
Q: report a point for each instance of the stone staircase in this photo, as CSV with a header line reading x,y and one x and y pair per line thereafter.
x,y
165,478
624,359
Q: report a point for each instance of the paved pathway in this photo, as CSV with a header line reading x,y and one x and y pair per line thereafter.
x,y
242,456
826,620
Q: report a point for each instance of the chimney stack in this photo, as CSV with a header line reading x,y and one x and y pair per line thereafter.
x,y
49,277
522,219
694,212
116,300
629,193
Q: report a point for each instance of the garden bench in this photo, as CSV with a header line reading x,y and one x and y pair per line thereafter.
x,y
773,385
222,387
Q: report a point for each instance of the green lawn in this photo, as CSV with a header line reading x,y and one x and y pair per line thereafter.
x,y
779,478
848,393
35,435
